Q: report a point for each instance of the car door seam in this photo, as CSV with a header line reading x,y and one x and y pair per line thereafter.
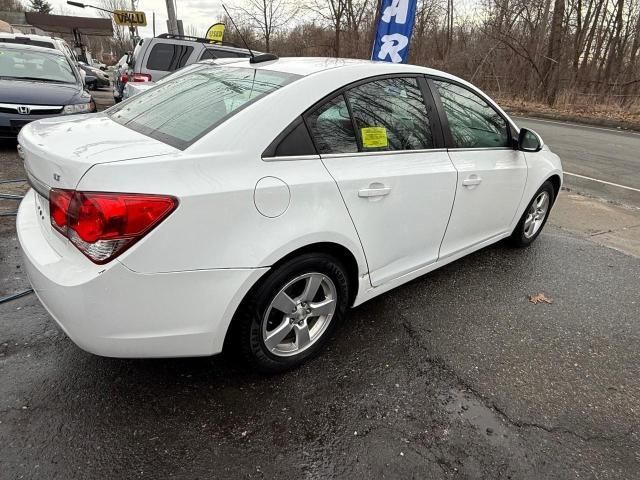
x,y
455,196
344,202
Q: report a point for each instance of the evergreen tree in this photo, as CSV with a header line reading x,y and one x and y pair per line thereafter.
x,y
41,6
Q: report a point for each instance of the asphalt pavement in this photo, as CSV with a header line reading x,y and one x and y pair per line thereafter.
x,y
604,162
455,375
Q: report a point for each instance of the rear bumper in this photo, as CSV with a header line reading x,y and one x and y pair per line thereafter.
x,y
112,311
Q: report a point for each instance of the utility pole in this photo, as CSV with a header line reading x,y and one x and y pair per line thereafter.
x,y
134,30
172,22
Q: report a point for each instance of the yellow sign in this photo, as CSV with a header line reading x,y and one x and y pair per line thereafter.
x,y
374,137
130,18
215,32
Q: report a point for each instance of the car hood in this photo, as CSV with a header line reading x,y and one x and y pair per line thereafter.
x,y
58,151
29,92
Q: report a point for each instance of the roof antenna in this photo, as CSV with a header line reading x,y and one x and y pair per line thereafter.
x,y
263,57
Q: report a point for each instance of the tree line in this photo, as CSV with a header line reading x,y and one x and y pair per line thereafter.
x,y
552,51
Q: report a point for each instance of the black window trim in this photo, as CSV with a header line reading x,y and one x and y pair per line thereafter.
x,y
270,152
444,120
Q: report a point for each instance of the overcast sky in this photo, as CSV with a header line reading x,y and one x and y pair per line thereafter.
x,y
198,13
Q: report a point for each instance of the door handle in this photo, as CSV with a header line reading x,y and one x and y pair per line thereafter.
x,y
472,181
374,191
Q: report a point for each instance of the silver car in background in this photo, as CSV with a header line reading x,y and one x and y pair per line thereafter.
x,y
155,58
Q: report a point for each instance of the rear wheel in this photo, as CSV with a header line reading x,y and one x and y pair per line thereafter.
x,y
534,217
292,313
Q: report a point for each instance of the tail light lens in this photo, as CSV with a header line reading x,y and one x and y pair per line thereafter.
x,y
103,225
140,77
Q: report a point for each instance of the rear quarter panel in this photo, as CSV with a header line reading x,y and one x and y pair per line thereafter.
x,y
217,224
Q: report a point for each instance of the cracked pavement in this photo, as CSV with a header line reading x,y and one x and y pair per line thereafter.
x,y
455,375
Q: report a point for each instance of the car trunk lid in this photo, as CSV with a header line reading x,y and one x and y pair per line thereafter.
x,y
58,151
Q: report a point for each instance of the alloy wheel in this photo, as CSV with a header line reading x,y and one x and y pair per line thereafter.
x,y
299,314
536,214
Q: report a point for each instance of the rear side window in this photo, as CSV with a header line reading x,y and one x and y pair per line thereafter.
x,y
211,53
168,57
331,127
181,110
472,121
390,114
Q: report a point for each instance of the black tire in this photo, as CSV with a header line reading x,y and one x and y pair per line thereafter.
x,y
518,237
246,334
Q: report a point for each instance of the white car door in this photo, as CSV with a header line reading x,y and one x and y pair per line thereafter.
x,y
491,173
379,141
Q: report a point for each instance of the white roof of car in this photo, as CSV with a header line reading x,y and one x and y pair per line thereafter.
x,y
309,65
34,48
40,38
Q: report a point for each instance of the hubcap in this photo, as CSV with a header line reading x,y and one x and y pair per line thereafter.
x,y
299,314
536,214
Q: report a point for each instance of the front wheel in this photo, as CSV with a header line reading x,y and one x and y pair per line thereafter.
x,y
534,217
292,313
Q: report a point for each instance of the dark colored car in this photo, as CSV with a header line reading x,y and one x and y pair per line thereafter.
x,y
95,77
38,82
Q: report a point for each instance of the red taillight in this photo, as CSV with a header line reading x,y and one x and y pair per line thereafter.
x,y
141,77
103,225
124,78
59,206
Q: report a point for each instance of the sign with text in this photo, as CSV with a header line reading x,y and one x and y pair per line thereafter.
x,y
130,18
394,31
215,32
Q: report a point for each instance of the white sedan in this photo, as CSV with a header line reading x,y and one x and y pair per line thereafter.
x,y
248,205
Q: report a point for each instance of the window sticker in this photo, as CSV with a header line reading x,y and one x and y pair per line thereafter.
x,y
374,137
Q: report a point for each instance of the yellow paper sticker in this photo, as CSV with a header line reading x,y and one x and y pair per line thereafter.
x,y
374,137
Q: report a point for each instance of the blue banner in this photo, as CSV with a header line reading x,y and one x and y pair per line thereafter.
x,y
394,31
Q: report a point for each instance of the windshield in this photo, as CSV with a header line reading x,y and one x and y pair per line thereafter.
x,y
35,65
183,109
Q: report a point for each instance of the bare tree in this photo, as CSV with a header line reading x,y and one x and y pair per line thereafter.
x,y
268,16
333,13
122,41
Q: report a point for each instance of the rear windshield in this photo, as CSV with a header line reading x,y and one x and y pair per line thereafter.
x,y
181,110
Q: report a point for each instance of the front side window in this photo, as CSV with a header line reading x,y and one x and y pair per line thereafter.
x,y
390,114
168,57
18,64
181,110
331,127
472,121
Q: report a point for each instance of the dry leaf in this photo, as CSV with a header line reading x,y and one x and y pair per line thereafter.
x,y
539,298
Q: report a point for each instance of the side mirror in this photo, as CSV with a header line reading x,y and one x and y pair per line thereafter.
x,y
529,141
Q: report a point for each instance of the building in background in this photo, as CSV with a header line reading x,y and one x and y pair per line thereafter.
x,y
90,36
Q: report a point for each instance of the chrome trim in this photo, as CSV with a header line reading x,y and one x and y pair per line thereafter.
x,y
479,149
382,152
290,158
40,187
32,108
